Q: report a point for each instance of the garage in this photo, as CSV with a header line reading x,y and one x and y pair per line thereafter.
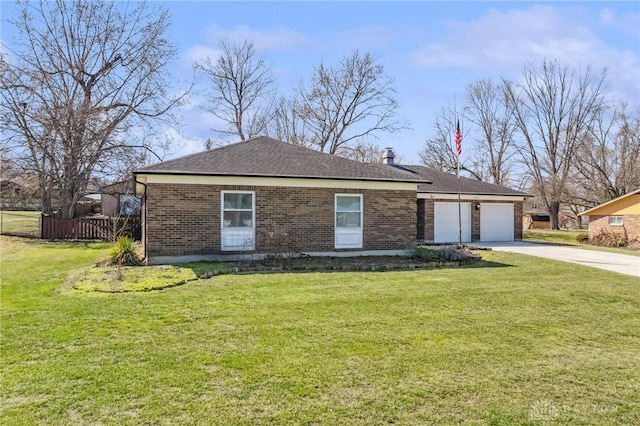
x,y
496,222
445,224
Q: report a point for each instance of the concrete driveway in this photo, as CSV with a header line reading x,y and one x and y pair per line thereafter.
x,y
622,263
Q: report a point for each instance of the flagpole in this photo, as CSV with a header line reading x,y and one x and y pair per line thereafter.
x,y
459,205
458,152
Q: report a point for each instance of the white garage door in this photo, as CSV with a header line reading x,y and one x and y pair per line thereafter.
x,y
445,223
496,222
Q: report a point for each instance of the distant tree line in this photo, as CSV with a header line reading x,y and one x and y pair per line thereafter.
x,y
553,131
83,90
339,110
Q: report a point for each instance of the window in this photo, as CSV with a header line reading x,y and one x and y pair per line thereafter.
x,y
348,211
616,220
238,221
348,221
237,209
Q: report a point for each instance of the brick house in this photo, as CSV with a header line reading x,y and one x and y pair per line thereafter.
x,y
618,216
263,194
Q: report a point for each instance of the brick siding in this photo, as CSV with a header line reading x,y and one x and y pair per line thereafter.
x,y
631,225
183,220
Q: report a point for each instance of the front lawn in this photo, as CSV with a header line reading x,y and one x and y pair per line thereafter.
x,y
554,236
20,223
570,237
509,340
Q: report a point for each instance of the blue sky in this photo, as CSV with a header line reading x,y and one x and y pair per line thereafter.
x,y
431,49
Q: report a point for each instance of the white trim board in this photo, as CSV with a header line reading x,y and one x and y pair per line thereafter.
x,y
469,197
271,181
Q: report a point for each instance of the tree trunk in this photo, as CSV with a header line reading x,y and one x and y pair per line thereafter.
x,y
45,194
68,207
554,214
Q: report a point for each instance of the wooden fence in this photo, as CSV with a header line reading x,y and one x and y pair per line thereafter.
x,y
105,229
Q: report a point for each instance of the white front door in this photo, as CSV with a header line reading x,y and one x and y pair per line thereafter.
x,y
496,222
445,222
238,229
348,221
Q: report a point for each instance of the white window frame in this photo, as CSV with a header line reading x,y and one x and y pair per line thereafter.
x,y
616,222
246,232
348,237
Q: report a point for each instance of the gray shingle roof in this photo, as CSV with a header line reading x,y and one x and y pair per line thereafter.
x,y
448,184
266,157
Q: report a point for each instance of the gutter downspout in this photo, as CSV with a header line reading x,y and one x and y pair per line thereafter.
x,y
143,225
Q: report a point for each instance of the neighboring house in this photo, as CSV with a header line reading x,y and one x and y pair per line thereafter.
x,y
620,215
536,215
19,194
536,221
119,199
247,197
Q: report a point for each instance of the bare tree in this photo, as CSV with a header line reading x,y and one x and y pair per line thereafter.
x,y
287,124
554,108
438,151
242,90
348,103
362,152
488,109
608,159
79,84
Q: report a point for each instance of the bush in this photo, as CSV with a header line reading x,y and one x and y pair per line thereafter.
x,y
440,254
124,252
610,239
424,254
582,237
448,254
278,246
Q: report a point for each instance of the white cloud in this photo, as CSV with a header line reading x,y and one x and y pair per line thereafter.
x,y
607,16
504,41
508,39
625,23
200,52
179,144
279,39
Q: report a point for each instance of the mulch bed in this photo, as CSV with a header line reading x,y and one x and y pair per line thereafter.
x,y
332,264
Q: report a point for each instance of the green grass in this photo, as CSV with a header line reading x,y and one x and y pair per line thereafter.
x,y
110,279
20,222
568,237
483,344
553,236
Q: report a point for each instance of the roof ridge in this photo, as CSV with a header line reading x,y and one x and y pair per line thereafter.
x,y
470,185
265,156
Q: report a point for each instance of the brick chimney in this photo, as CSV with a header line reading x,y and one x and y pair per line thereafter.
x,y
388,156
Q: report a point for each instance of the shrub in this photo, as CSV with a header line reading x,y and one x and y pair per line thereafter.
x,y
423,254
440,254
124,252
278,246
610,239
582,237
451,253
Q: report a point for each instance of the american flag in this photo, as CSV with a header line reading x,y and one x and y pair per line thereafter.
x,y
458,136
